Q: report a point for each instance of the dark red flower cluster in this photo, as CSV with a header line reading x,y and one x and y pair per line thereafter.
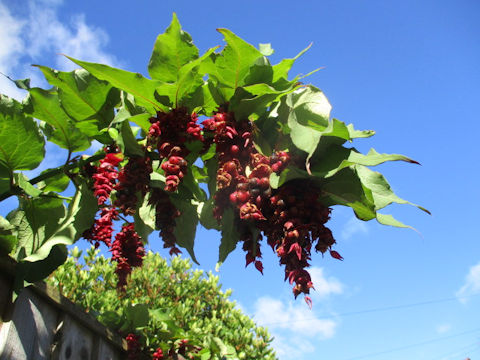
x,y
297,223
165,214
127,250
291,217
104,179
105,176
175,168
102,229
133,178
133,346
168,134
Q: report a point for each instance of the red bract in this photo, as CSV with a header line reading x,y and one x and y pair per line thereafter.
x,y
175,168
127,250
102,229
169,134
133,179
165,214
105,177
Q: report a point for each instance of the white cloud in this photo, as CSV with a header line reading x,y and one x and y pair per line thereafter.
x,y
293,325
443,328
324,286
353,227
41,35
471,285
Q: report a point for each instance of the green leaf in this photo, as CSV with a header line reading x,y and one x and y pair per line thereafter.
x,y
56,183
44,226
171,51
389,220
308,112
32,272
137,315
8,237
261,72
380,188
189,80
45,105
134,83
145,218
235,61
81,94
128,143
111,319
21,144
345,188
281,70
354,134
336,158
290,173
186,224
35,220
230,235
22,181
207,220
192,185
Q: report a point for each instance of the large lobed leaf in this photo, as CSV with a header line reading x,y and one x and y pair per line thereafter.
x,y
134,83
172,50
81,94
21,144
59,128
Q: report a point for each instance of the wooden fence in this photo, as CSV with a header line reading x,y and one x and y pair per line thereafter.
x,y
42,324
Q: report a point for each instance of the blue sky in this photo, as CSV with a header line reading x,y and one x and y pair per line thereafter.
x,y
408,70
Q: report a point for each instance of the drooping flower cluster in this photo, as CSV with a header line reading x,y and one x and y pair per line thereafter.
x,y
133,178
127,250
102,229
165,214
104,179
296,224
291,217
105,176
168,134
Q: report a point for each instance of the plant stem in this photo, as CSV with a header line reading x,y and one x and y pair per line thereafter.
x,y
54,172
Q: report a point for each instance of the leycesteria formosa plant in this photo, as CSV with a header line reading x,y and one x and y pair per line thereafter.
x,y
226,140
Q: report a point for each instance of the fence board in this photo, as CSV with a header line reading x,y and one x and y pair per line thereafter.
x,y
30,332
76,341
107,352
42,324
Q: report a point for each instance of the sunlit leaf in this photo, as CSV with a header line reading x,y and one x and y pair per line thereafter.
x,y
81,94
59,129
21,144
172,50
230,235
186,224
134,83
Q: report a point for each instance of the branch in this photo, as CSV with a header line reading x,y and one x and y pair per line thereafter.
x,y
54,172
